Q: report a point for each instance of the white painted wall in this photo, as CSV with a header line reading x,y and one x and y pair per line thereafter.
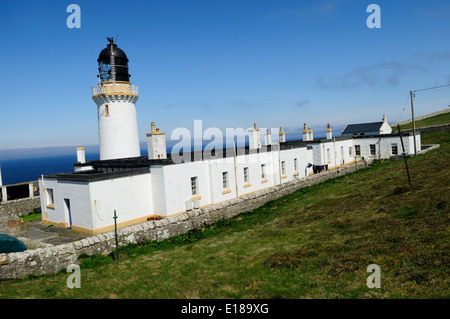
x,y
383,146
79,197
156,146
130,196
118,132
385,128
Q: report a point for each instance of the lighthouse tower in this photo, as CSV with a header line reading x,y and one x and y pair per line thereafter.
x,y
116,97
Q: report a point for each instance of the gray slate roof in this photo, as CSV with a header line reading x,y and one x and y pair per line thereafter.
x,y
362,128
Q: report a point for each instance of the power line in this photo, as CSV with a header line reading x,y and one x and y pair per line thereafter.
x,y
404,107
435,87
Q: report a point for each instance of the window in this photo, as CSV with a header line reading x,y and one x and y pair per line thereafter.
x,y
350,151
373,151
263,171
245,174
295,164
394,149
194,187
50,197
283,168
357,150
328,155
225,180
106,110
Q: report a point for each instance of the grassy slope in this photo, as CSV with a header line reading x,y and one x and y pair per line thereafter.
x,y
315,243
435,120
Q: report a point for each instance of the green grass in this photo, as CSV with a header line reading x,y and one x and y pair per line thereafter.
x,y
32,216
431,121
314,243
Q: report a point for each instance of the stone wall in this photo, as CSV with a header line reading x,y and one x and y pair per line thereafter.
x,y
10,223
430,129
52,259
421,117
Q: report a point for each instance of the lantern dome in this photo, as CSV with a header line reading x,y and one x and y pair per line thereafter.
x,y
113,63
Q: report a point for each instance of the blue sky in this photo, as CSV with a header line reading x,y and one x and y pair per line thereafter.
x,y
229,63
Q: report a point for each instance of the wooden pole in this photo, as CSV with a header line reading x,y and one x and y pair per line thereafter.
x,y
235,169
413,122
404,155
117,237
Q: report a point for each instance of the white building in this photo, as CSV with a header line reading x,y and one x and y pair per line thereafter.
x,y
367,128
139,188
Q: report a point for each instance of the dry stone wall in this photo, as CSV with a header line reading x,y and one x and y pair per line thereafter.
x,y
10,223
50,260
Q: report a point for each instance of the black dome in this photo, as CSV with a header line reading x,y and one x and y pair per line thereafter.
x,y
106,52
106,68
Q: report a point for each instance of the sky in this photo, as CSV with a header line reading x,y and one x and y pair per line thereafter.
x,y
229,63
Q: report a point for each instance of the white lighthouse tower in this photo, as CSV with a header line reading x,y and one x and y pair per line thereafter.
x,y
116,97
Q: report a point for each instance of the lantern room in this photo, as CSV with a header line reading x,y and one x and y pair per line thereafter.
x,y
113,64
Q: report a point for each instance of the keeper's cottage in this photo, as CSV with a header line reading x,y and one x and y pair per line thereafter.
x,y
163,184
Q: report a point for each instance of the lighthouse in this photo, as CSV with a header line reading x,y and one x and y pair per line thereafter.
x,y
116,98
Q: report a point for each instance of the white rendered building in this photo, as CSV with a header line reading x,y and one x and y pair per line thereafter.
x,y
139,188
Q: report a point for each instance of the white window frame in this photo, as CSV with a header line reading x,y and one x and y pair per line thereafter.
x,y
50,196
392,148
194,186
373,147
246,179
225,184
263,171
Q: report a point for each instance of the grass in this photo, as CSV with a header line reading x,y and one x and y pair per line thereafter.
x,y
431,121
314,243
31,217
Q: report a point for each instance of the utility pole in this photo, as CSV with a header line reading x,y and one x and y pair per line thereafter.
x,y
413,123
404,154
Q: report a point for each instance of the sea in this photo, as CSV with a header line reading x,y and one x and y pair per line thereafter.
x,y
15,171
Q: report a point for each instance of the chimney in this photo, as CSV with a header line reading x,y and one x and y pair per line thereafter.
x,y
329,133
254,137
282,135
81,156
268,138
305,132
156,143
310,133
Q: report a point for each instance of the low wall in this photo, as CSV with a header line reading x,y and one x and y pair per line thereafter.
x,y
430,129
10,223
52,259
421,117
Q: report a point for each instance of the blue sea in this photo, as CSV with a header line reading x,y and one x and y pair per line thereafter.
x,y
28,169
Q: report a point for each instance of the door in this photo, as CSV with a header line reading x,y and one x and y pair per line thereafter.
x,y
67,211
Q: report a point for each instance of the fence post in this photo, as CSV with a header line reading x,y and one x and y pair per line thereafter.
x,y
115,234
